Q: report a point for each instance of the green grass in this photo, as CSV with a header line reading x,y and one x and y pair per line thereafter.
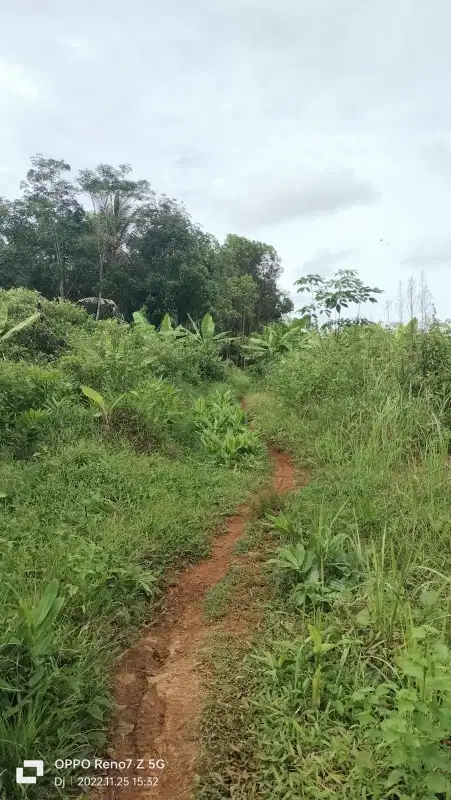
x,y
93,512
106,523
347,691
218,597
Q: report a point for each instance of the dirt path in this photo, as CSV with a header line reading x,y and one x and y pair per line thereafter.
x,y
158,686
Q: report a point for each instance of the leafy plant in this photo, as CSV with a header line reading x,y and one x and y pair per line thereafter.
x,y
25,323
221,424
334,295
408,720
167,330
312,572
206,332
140,321
275,339
99,401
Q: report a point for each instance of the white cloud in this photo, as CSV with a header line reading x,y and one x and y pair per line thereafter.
x,y
15,83
325,263
269,197
82,49
430,257
319,127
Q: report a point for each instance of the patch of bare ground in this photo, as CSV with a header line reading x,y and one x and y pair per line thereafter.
x,y
158,684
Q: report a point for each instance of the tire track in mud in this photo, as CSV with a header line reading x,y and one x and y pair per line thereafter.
x,y
158,686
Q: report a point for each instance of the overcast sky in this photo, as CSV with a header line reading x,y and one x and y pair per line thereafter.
x,y
318,126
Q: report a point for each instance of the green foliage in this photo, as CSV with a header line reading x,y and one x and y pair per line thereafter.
x,y
133,249
79,521
223,431
408,719
238,379
169,331
25,323
111,358
346,692
249,296
49,334
275,339
151,416
140,320
334,295
106,409
104,520
206,332
29,400
117,356
316,572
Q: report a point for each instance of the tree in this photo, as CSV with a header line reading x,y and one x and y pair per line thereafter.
x,y
23,260
260,265
115,216
50,202
334,295
133,249
175,262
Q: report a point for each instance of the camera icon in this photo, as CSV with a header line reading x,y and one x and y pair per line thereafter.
x,y
36,765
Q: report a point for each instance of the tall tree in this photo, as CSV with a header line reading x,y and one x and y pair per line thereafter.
x,y
133,249
116,213
51,204
175,260
23,258
266,302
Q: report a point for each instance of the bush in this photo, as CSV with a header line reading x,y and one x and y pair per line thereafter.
x,y
116,357
329,366
109,359
187,360
29,396
49,336
224,432
146,419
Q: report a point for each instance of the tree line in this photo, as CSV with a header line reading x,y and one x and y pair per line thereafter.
x,y
104,235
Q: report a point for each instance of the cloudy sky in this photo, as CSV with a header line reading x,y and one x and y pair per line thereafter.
x,y
318,126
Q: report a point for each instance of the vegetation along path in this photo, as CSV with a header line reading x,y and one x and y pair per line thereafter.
x,y
158,685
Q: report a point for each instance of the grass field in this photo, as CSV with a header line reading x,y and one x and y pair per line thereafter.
x,y
346,691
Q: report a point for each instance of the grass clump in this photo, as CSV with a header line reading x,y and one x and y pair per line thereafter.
x,y
217,599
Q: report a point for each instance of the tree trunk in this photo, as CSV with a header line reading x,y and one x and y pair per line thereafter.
x,y
99,298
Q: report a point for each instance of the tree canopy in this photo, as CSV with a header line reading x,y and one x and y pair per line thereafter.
x,y
103,234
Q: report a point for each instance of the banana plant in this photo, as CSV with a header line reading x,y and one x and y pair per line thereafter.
x,y
140,321
275,339
99,401
169,332
206,332
25,323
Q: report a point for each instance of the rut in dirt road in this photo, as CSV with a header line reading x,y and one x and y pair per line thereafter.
x,y
158,686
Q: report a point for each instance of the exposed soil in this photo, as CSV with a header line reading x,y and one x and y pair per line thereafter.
x,y
158,682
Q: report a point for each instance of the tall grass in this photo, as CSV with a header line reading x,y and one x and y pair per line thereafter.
x,y
93,511
347,692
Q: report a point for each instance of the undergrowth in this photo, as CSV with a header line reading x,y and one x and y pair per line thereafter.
x,y
346,692
104,484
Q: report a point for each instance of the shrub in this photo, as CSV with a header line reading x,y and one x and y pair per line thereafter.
x,y
29,395
146,418
108,359
187,360
50,335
